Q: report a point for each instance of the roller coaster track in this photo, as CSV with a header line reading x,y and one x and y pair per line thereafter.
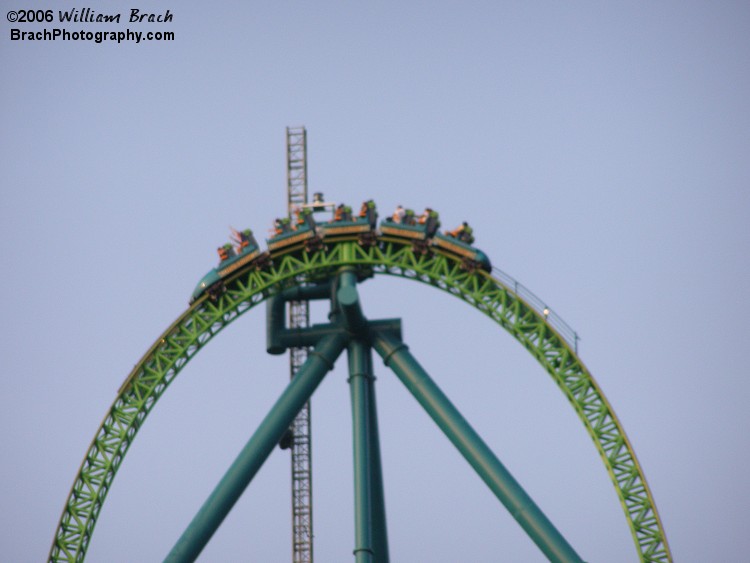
x,y
497,298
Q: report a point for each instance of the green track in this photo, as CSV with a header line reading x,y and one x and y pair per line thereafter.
x,y
249,287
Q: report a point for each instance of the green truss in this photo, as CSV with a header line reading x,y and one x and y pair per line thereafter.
x,y
249,287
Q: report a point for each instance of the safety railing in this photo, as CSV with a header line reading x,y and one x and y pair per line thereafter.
x,y
552,318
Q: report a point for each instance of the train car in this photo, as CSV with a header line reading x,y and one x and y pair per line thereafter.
x,y
403,231
418,231
231,261
345,227
295,239
473,258
410,227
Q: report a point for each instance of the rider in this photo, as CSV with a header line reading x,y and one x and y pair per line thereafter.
x,y
409,218
369,212
430,220
225,252
305,217
398,214
282,226
244,239
464,233
338,215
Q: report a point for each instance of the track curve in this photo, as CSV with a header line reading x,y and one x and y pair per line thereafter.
x,y
250,286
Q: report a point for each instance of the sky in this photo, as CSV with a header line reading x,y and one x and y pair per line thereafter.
x,y
599,150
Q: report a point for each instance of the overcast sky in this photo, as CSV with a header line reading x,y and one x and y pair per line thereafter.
x,y
600,153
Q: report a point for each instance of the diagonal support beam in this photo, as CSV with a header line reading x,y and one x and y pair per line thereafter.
x,y
257,450
396,356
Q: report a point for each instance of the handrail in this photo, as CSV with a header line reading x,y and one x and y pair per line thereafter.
x,y
520,290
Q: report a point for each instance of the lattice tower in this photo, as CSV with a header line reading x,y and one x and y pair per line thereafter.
x,y
299,317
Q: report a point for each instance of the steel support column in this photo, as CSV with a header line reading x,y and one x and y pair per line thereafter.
x,y
359,382
257,450
379,523
371,535
396,356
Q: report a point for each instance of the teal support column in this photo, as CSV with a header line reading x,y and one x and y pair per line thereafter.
x,y
396,356
379,524
347,298
359,379
276,313
371,536
257,450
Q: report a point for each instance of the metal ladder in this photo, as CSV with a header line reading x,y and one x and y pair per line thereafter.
x,y
299,317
